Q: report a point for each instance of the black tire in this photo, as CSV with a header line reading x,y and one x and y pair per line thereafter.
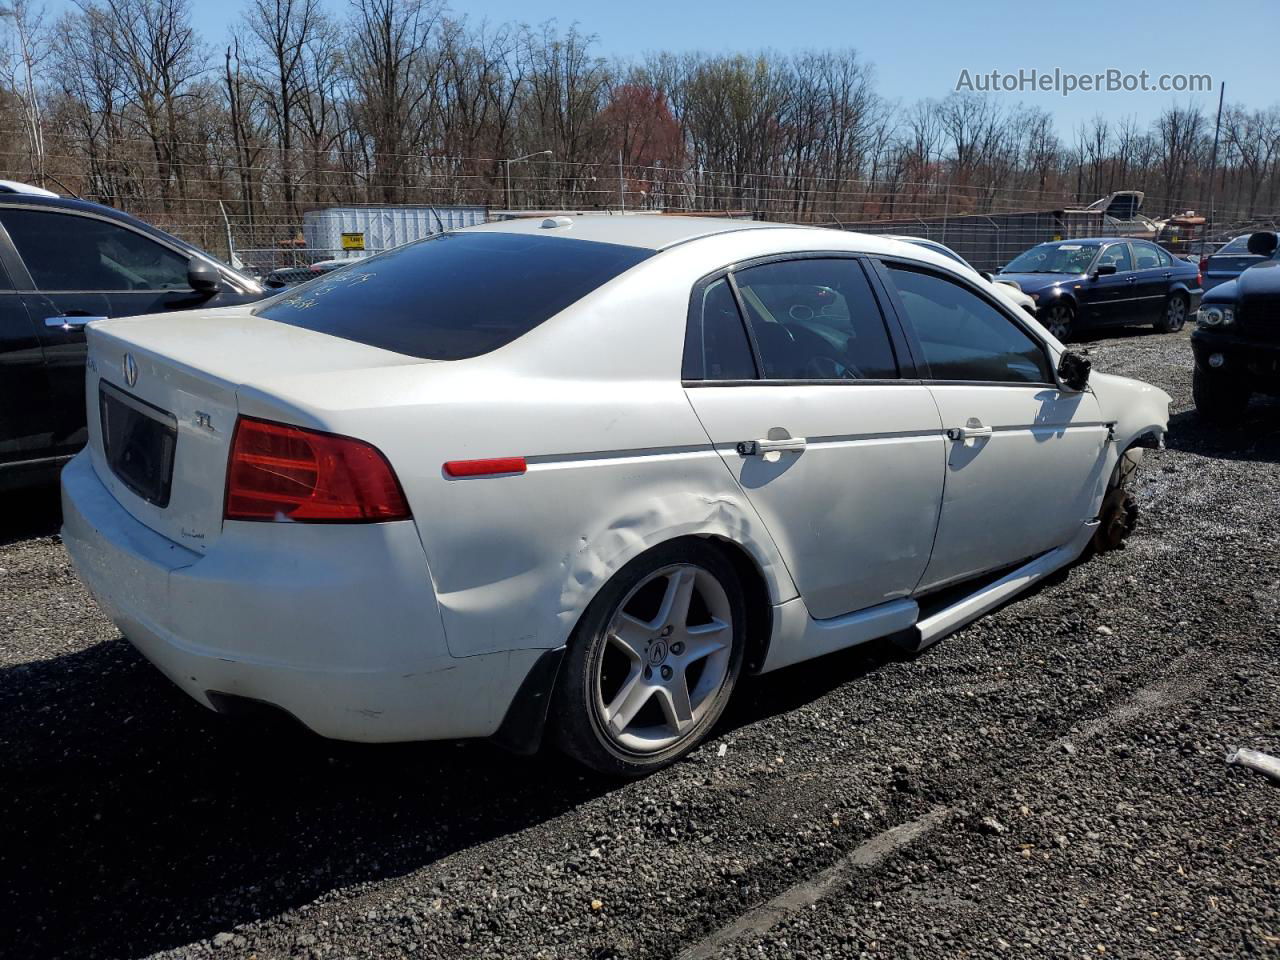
x,y
578,727
1220,398
1174,317
1059,319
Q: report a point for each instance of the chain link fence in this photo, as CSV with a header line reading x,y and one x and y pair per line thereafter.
x,y
988,226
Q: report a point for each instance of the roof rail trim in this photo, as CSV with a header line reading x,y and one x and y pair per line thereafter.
x,y
754,225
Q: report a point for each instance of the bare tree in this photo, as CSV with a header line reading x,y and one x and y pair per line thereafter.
x,y
392,75
20,68
160,60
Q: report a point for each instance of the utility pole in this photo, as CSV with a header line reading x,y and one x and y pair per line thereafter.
x,y
622,187
1213,167
527,156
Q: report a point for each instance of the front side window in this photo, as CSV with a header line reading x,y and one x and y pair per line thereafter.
x,y
965,338
1116,255
63,251
816,319
453,295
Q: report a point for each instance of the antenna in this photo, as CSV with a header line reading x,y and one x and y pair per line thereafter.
x,y
65,188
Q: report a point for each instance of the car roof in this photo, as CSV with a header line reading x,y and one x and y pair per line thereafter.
x,y
1092,240
71,204
654,232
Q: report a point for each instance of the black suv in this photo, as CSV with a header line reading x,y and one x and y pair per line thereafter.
x,y
63,263
1237,337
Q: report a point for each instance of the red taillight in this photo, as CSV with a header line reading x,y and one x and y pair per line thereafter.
x,y
496,466
279,472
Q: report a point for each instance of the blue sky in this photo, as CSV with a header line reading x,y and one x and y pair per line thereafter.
x,y
919,48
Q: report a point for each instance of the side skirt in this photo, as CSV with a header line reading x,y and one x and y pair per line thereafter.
x,y
798,637
951,618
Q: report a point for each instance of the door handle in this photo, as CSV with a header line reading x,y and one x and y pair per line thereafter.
x,y
1130,279
758,448
69,323
969,432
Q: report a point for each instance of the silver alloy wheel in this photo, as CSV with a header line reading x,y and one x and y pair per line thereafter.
x,y
665,657
1058,321
1176,314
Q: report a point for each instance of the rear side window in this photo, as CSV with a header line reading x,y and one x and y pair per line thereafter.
x,y
965,338
716,346
1145,257
63,251
454,295
816,319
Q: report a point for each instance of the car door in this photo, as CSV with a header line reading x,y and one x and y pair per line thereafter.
x,y
1025,458
1113,297
1154,276
76,266
25,413
813,409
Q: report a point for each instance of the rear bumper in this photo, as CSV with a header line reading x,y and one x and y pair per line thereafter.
x,y
334,624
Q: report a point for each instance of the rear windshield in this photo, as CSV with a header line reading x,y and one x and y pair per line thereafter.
x,y
1239,244
454,295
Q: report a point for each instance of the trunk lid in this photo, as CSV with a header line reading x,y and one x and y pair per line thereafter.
x,y
163,398
1226,265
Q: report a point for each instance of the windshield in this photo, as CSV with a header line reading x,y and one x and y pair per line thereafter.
x,y
454,295
1054,258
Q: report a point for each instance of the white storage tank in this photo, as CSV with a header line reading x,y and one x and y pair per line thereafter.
x,y
363,231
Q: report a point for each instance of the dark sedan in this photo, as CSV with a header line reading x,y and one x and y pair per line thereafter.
x,y
64,263
1229,261
1105,282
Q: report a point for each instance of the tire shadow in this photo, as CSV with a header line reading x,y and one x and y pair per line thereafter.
x,y
1256,438
28,513
132,820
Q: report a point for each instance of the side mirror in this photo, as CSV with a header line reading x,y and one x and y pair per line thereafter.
x,y
1104,270
1073,371
203,276
1263,243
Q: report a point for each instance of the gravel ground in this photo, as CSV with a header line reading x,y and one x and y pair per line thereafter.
x,y
1050,781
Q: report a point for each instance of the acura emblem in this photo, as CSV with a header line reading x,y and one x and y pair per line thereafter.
x,y
130,369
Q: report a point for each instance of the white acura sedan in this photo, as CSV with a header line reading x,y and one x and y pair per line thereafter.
x,y
579,475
